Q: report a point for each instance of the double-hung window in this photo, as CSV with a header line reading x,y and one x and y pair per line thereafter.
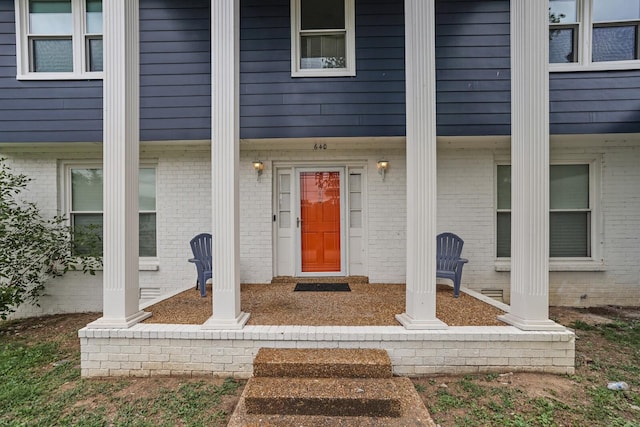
x,y
323,38
84,203
571,211
59,39
594,34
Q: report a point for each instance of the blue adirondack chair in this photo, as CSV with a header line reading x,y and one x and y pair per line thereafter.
x,y
449,263
201,248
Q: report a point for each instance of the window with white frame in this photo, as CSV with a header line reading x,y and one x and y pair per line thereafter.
x,y
594,34
84,202
59,39
355,199
571,219
323,38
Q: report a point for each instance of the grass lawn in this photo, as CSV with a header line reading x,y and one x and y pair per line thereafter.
x,y
40,384
607,350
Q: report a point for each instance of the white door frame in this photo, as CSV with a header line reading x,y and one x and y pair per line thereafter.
x,y
284,216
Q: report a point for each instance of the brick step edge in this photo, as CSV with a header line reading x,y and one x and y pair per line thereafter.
x,y
323,396
322,363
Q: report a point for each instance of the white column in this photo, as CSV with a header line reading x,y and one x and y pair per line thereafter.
x,y
121,158
421,166
225,153
530,166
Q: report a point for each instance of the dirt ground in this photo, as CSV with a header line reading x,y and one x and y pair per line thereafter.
x,y
589,347
63,329
593,351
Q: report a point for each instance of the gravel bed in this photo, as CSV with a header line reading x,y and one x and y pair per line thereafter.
x,y
366,305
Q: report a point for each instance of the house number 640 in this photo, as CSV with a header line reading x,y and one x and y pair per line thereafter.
x,y
319,146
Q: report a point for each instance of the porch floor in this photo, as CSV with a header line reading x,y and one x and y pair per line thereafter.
x,y
366,305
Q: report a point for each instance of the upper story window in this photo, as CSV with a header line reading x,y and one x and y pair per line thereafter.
x,y
594,34
323,38
59,39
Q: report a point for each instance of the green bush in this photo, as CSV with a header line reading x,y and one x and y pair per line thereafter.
x,y
34,249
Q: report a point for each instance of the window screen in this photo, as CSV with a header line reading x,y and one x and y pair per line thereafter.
x,y
569,216
87,209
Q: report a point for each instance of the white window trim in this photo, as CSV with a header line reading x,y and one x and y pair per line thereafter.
x,y
585,25
596,261
78,9
350,45
145,263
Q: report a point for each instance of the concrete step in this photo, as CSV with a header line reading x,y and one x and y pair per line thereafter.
x,y
328,387
322,363
351,397
288,402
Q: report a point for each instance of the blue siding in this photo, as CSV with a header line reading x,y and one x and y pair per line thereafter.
x,y
472,78
595,102
472,68
47,111
276,105
175,83
175,70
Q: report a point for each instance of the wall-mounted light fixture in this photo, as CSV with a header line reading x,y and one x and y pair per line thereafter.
x,y
258,166
383,165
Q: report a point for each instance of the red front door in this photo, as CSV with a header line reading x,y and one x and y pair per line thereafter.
x,y
320,221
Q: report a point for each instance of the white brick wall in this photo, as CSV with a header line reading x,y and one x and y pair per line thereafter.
x,y
151,349
256,226
621,206
183,210
466,206
75,291
387,214
43,188
386,206
466,203
71,293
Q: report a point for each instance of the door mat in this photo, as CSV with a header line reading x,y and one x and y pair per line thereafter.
x,y
322,287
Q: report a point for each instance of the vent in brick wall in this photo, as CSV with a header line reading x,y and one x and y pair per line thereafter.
x,y
496,294
149,293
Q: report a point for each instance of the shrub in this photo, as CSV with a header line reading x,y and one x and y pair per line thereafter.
x,y
33,249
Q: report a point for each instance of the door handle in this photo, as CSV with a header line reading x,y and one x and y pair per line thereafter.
x,y
299,221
